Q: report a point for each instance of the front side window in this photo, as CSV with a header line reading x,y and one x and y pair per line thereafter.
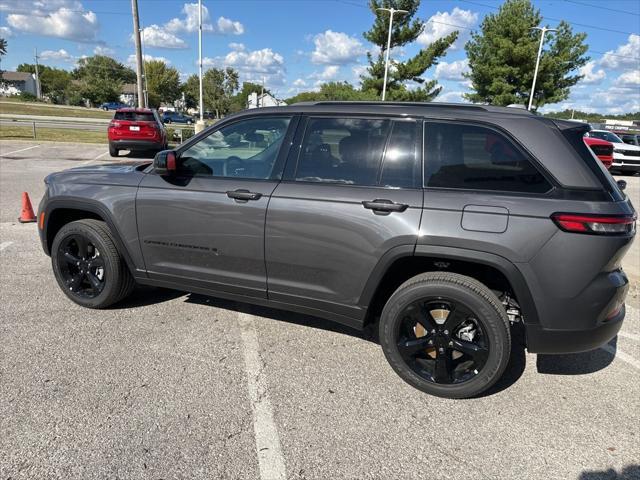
x,y
245,149
342,150
477,158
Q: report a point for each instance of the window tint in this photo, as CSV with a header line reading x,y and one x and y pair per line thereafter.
x,y
135,116
246,149
471,157
342,150
400,167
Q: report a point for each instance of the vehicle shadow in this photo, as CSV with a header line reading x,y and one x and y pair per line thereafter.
x,y
627,473
576,363
280,315
144,296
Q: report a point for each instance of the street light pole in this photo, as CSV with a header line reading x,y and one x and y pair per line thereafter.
x,y
543,30
136,37
201,106
386,60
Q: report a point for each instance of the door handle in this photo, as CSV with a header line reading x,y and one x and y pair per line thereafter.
x,y
243,195
381,205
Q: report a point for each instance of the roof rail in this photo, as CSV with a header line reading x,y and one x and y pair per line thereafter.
x,y
461,106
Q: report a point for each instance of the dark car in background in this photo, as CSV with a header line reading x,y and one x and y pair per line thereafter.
x,y
136,129
630,138
449,228
112,106
175,117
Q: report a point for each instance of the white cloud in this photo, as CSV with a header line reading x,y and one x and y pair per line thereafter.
x,y
629,79
591,75
452,97
189,23
131,59
299,82
359,70
237,46
72,24
102,50
335,48
57,56
252,65
452,71
159,37
329,73
443,23
625,57
5,32
229,27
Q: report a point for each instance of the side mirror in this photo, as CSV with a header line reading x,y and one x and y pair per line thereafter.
x,y
622,184
165,163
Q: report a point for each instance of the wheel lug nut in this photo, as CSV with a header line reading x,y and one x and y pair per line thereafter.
x,y
446,332
451,344
430,342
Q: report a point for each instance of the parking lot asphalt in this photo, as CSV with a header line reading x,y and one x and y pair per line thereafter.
x,y
173,385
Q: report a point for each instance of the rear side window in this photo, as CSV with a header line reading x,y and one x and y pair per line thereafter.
x,y
135,116
342,150
477,158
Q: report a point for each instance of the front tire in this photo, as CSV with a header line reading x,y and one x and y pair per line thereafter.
x,y
446,334
88,266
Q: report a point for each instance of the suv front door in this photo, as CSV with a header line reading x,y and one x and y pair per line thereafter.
x,y
351,193
204,226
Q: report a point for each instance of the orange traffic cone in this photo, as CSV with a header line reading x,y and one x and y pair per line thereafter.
x,y
27,215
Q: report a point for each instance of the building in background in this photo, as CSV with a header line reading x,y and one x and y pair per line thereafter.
x,y
128,94
264,100
14,83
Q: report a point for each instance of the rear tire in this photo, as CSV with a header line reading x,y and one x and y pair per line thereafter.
x,y
87,265
113,151
446,334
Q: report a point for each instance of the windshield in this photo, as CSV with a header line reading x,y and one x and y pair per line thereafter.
x,y
608,136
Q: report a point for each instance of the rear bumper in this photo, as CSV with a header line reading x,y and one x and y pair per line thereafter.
x,y
136,144
587,331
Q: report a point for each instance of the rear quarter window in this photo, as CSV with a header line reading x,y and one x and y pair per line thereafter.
x,y
473,157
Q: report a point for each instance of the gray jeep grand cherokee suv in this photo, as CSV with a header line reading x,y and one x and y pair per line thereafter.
x,y
443,224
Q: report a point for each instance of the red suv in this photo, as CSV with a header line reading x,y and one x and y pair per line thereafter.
x,y
136,129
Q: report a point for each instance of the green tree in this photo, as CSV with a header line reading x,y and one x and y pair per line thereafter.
x,y
405,30
336,91
100,78
219,86
163,83
502,58
55,82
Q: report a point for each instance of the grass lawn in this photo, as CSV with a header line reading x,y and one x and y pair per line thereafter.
x,y
21,108
53,134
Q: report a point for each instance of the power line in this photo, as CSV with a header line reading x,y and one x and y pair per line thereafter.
x,y
584,25
603,8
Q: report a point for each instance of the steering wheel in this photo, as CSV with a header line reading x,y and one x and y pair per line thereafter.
x,y
233,165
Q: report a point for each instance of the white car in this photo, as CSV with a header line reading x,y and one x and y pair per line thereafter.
x,y
626,158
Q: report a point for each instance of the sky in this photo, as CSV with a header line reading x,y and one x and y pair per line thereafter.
x,y
295,45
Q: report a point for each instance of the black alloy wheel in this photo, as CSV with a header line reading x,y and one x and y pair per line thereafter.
x,y
81,266
442,341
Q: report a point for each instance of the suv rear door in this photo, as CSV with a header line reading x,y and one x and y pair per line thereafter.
x,y
351,193
204,226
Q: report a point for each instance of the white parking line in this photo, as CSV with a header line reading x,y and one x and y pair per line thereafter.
x,y
270,459
629,335
17,151
4,245
94,159
625,357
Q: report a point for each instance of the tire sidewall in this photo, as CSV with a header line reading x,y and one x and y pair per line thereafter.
x,y
110,270
492,323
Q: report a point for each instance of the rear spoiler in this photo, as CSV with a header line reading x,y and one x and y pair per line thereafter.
x,y
571,125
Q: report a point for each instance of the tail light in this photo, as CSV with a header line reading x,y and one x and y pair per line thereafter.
x,y
595,224
113,124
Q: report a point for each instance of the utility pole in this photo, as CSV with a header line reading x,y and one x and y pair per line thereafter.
x,y
386,60
145,88
543,30
200,123
38,88
136,37
261,102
